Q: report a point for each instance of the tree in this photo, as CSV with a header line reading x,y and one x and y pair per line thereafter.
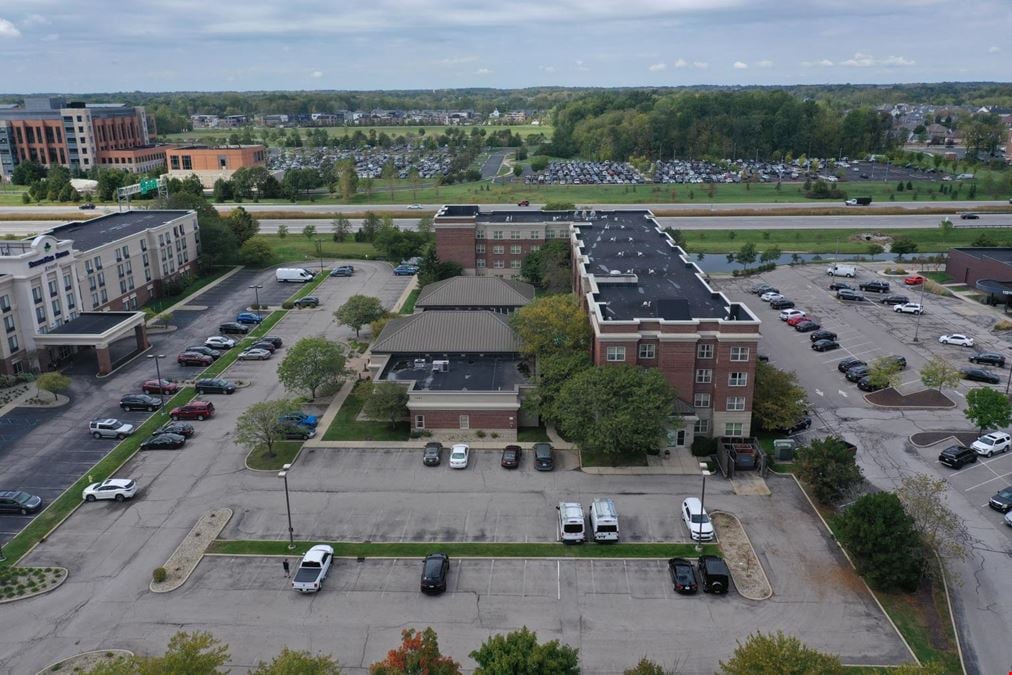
x,y
885,372
52,382
348,181
874,250
882,541
418,655
830,467
945,225
549,267
243,225
616,410
26,173
290,662
746,255
772,254
370,226
309,231
257,427
988,408
282,231
387,400
902,245
779,655
646,667
342,227
311,363
415,181
358,311
223,190
389,173
938,373
424,225
190,653
256,252
552,324
941,530
779,400
518,653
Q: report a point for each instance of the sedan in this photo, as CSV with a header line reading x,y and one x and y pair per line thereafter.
x,y
274,340
762,287
215,385
807,326
895,300
840,286
111,488
914,280
969,216
988,358
1002,501
956,339
682,576
308,301
510,457
405,271
164,442
459,456
219,342
432,454
194,359
159,387
853,296
16,501
231,328
248,317
254,355
980,375
87,206
434,570
178,428
414,207
909,308
857,372
795,320
825,345
848,363
140,402
866,384
822,335
769,295
206,351
264,344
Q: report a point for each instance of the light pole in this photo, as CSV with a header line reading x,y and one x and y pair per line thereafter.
x,y
256,289
288,505
319,252
1009,383
158,374
704,470
917,323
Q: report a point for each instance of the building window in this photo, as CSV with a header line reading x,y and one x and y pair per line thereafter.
x,y
498,264
98,262
739,353
481,263
735,403
40,315
465,422
12,344
479,234
5,303
101,279
36,294
515,249
701,400
704,376
54,288
737,379
174,162
94,300
497,234
104,296
68,282
498,250
704,351
616,353
419,421
515,264
479,248
122,286
9,324
535,248
88,267
648,351
549,234
187,163
733,428
515,234
144,245
57,310
701,427
71,304
535,234
120,271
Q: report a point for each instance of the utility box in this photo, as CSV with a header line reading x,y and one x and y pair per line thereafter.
x,y
783,449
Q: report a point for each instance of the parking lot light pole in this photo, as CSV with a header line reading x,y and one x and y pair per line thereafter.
x,y
288,505
319,252
704,470
158,374
256,290
917,323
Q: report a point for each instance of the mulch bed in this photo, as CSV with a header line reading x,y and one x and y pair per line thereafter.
x,y
926,438
928,398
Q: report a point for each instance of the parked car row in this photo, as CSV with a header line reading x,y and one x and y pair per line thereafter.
x,y
460,455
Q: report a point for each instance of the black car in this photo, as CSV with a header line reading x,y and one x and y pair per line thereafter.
x,y
231,327
264,344
874,286
1002,500
980,375
296,432
865,384
178,428
840,286
848,363
682,576
543,459
140,402
274,340
432,454
510,457
969,216
989,359
895,300
87,206
822,335
807,326
759,289
781,304
900,361
308,301
214,386
434,571
857,372
16,501
825,345
714,574
206,351
847,294
164,442
957,456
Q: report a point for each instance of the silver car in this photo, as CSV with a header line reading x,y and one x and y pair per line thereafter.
x,y
255,354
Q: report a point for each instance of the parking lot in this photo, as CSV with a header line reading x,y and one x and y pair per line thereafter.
x,y
978,481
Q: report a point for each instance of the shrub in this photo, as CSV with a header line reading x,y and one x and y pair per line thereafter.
x,y
159,575
287,304
704,447
25,377
494,435
480,433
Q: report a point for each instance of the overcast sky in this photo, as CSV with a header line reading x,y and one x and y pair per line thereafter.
x,y
80,46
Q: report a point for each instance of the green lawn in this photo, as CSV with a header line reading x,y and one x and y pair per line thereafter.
x,y
941,276
532,435
284,453
409,303
599,459
346,427
295,247
820,241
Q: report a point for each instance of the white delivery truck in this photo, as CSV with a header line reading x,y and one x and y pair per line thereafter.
x,y
289,275
604,520
842,271
571,523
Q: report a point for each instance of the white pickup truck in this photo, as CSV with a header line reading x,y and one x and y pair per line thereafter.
x,y
313,569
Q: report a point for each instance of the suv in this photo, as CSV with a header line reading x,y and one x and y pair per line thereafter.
x,y
895,299
307,301
847,294
139,402
714,574
203,349
194,410
543,460
215,386
994,442
955,456
342,271
782,303
110,428
875,286
274,340
848,363
855,373
432,454
988,358
234,328
194,359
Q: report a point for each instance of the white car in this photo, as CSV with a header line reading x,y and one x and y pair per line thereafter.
x,y
219,342
414,206
696,519
992,443
790,314
909,308
1008,518
770,295
255,354
459,456
111,488
956,339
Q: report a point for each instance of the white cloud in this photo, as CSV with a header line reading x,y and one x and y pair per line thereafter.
x,y
994,50
740,65
765,63
317,74
681,63
824,63
8,30
35,20
457,60
50,37
862,60
657,67
700,65
483,71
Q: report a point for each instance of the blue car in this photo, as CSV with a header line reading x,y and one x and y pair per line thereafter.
x,y
405,270
299,419
248,317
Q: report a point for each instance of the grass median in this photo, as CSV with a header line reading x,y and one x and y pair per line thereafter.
x,y
284,453
409,303
347,427
464,549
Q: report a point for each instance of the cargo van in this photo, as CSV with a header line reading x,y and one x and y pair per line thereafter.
x,y
287,275
842,271
571,523
604,520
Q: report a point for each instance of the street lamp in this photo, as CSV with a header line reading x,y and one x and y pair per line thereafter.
x,y
288,505
704,470
917,322
158,373
319,252
256,289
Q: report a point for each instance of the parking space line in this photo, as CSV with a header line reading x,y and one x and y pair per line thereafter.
x,y
593,581
558,580
628,587
491,570
407,521
523,582
460,566
997,476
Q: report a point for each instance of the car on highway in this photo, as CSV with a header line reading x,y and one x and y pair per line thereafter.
x,y
957,456
988,358
840,286
957,339
214,385
119,489
895,300
233,328
968,216
194,410
414,207
432,454
849,295
435,569
248,317
511,457
822,334
543,457
874,286
696,520
405,270
194,359
825,345
791,313
219,342
857,372
17,501
460,453
683,577
714,574
909,308
139,402
307,301
215,354
980,375
914,280
342,271
110,428
159,387
178,428
848,363
87,206
164,442
524,202
1002,501
254,355
807,326
795,320
991,444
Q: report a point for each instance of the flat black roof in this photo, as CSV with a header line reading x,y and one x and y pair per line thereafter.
x,y
459,211
103,230
92,323
466,373
1000,254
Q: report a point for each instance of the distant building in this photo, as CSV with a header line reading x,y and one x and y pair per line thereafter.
x,y
209,163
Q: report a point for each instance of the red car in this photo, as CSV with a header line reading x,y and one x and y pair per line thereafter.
x,y
795,320
159,387
194,410
914,280
193,359
524,202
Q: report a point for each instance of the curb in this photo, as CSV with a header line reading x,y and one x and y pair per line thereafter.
x,y
66,575
118,652
17,402
245,461
949,438
759,562
909,407
171,587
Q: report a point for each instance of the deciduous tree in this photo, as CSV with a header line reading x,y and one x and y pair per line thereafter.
x,y
779,400
883,542
779,654
342,227
647,667
290,662
243,225
418,654
884,372
52,382
257,426
358,311
938,373
829,467
256,252
941,530
519,653
552,324
311,363
988,408
387,401
191,653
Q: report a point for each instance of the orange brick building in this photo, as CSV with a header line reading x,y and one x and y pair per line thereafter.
x,y
209,163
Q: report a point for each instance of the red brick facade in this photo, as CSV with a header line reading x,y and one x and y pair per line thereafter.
x,y
450,419
456,244
971,265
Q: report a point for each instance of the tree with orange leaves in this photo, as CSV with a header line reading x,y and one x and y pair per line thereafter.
x,y
417,655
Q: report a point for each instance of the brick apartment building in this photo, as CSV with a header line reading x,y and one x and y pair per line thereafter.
x,y
647,304
209,163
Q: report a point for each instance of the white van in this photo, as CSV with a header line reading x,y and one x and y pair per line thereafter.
x,y
604,520
287,275
571,523
842,271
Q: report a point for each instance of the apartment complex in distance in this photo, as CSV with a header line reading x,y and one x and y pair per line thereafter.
x,y
647,303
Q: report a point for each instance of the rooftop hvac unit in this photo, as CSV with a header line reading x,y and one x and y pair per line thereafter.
x,y
419,364
441,366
